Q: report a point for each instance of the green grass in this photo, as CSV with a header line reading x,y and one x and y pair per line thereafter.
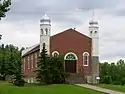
x,y
113,87
6,88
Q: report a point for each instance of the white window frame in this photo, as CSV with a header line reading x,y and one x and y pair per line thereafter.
x,y
87,59
55,52
76,58
32,61
24,64
28,59
36,57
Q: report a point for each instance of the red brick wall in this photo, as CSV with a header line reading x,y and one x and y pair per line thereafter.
x,y
72,41
29,72
68,41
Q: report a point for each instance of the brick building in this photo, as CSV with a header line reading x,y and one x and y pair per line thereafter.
x,y
80,52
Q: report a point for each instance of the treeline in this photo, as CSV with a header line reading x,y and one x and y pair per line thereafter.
x,y
10,62
113,73
10,65
50,69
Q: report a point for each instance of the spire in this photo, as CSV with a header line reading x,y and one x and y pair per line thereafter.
x,y
45,17
93,14
93,21
45,14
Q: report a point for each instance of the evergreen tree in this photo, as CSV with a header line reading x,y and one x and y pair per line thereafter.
x,y
43,73
50,69
18,74
10,61
57,70
3,63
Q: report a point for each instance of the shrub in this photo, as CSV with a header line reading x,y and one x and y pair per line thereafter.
x,y
19,82
122,81
107,80
116,82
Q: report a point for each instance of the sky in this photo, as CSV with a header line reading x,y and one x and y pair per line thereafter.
x,y
21,25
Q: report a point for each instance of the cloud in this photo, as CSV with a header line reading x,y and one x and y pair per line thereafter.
x,y
21,26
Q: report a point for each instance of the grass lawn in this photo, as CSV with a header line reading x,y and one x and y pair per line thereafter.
x,y
113,87
6,88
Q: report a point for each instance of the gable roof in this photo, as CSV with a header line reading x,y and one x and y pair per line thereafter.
x,y
36,47
26,51
71,30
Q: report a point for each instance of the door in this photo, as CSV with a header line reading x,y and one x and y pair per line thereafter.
x,y
70,66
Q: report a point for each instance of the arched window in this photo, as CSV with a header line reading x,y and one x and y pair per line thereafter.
x,y
95,32
55,53
70,56
42,31
46,31
85,59
91,32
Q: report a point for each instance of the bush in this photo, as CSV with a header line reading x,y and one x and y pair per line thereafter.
x,y
116,82
107,80
123,81
19,82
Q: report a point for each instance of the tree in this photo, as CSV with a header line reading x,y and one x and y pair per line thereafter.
x,y
18,81
10,59
4,7
57,70
43,72
113,73
50,69
3,64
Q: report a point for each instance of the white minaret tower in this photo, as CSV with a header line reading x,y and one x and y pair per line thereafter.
x,y
94,34
45,30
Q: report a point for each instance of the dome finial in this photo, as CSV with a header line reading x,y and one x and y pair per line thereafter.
x,y
45,17
45,14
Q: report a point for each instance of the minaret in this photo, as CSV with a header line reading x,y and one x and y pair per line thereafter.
x,y
94,34
45,30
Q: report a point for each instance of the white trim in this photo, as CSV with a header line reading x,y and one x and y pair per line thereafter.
x,y
36,59
32,60
28,62
28,80
55,52
70,53
24,64
87,58
32,80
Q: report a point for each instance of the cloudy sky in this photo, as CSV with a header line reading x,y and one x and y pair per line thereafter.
x,y
21,26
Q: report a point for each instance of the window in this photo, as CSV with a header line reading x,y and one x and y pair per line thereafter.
x,y
95,32
31,80
24,64
28,80
32,61
70,57
85,58
28,62
91,32
55,53
36,59
46,31
42,31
